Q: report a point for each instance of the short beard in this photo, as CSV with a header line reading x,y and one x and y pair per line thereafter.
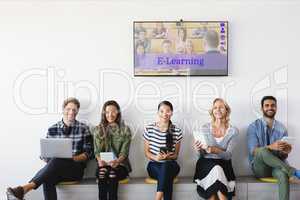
x,y
269,116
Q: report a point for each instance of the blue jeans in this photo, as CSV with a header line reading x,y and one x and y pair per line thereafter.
x,y
164,173
55,171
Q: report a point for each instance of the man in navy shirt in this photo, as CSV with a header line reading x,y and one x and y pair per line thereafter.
x,y
59,169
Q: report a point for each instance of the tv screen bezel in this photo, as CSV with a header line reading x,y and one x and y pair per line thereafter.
x,y
170,75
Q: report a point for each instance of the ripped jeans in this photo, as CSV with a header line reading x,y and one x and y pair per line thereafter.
x,y
108,181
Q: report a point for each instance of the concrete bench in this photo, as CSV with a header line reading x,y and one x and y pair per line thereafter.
x,y
248,188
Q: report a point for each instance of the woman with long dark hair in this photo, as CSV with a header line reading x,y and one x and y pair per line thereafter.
x,y
162,144
111,135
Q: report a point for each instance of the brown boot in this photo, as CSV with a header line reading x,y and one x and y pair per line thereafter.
x,y
17,192
294,180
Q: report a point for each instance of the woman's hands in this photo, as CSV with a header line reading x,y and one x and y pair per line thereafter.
x,y
198,146
113,163
101,163
164,156
208,149
161,155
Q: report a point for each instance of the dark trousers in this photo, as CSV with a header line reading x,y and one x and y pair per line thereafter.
x,y
164,173
108,181
55,171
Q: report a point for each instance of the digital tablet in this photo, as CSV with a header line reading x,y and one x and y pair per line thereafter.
x,y
107,156
202,137
288,139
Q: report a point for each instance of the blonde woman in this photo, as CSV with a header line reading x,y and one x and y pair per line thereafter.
x,y
214,174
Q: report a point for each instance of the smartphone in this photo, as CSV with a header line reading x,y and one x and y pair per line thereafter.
x,y
164,149
288,139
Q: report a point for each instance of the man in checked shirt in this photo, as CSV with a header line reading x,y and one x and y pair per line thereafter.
x,y
60,169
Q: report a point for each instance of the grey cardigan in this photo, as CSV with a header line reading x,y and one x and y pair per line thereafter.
x,y
227,144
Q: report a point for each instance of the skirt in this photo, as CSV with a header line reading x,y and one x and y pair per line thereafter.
x,y
213,175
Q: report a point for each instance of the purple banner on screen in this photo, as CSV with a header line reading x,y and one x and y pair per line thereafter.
x,y
206,61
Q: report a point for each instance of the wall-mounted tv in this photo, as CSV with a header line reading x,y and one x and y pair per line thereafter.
x,y
180,48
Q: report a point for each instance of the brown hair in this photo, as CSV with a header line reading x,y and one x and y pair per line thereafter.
x,y
103,125
103,117
71,100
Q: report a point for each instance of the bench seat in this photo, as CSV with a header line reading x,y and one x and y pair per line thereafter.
x,y
247,188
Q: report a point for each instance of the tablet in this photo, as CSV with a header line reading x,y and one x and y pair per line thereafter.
x,y
202,137
107,156
288,139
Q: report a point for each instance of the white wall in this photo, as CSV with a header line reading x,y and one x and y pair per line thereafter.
x,y
51,50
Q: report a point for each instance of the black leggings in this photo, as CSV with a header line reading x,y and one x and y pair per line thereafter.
x,y
108,181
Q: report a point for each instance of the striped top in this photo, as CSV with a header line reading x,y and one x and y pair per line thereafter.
x,y
157,138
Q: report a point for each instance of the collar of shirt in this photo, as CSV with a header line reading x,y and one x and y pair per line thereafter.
x,y
61,123
265,123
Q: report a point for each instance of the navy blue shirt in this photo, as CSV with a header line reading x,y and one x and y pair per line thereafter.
x,y
78,132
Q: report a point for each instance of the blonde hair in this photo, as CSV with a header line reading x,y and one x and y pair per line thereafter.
x,y
227,108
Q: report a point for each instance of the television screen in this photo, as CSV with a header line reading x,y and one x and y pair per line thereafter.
x,y
184,48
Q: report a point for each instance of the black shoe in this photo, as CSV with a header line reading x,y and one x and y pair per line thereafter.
x,y
17,193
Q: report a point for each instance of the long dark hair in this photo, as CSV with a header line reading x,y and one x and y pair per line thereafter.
x,y
104,123
169,136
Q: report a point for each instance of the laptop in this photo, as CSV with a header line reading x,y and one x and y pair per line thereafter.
x,y
56,147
